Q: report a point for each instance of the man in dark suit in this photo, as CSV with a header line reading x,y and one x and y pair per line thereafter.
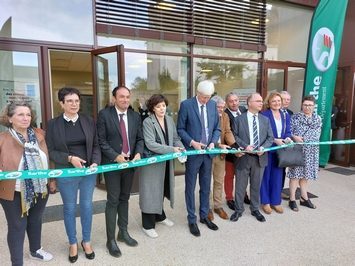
x,y
253,133
198,128
286,100
233,110
121,140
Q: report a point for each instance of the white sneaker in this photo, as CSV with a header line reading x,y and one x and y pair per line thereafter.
x,y
150,232
167,222
41,255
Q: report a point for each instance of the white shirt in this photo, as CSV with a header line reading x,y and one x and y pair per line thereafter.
x,y
234,113
250,125
71,119
125,120
205,116
278,123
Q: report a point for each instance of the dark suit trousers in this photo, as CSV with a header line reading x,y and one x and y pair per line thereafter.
x,y
201,165
118,186
250,170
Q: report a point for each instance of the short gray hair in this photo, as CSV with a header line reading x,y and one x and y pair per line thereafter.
x,y
232,93
285,93
217,99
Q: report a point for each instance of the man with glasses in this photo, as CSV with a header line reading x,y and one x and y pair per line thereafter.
x,y
253,132
198,128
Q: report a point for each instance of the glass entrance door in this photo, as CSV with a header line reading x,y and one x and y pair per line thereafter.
x,y
108,69
341,121
285,77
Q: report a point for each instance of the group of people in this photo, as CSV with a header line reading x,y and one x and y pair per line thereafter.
x,y
74,140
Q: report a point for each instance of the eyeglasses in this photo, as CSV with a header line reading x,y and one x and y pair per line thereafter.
x,y
257,101
308,105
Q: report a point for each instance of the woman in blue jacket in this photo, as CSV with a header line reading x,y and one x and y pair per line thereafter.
x,y
271,185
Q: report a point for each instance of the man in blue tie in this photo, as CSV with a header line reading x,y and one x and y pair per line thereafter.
x,y
252,131
198,127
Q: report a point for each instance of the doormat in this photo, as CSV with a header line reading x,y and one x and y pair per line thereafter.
x,y
55,213
341,171
286,192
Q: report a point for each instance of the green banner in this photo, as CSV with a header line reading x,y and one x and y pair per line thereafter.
x,y
322,61
75,172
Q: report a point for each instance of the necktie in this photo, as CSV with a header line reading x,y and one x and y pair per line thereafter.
x,y
125,148
255,133
203,138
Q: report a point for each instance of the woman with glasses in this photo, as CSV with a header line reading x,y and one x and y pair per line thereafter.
x,y
72,143
305,127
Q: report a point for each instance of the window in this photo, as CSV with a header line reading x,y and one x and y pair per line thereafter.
x,y
228,76
150,74
287,30
19,80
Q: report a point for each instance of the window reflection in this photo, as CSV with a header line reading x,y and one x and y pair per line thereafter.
x,y
19,80
286,31
205,50
228,76
49,20
150,74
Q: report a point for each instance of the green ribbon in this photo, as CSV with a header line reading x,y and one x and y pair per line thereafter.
x,y
76,172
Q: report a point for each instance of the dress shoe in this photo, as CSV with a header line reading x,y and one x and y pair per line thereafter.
x,y
266,208
258,216
235,216
246,199
113,248
123,236
150,232
231,204
277,208
210,215
167,222
293,205
221,213
209,224
89,256
74,258
194,229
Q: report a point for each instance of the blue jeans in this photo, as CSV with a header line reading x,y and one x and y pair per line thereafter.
x,y
68,188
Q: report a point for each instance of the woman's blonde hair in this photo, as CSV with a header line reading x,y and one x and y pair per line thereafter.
x,y
269,97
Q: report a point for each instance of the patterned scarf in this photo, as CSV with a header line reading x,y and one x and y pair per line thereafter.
x,y
31,161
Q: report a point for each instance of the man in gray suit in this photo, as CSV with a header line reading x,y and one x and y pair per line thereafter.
x,y
253,133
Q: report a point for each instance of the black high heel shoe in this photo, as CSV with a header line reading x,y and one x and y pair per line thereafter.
x,y
89,256
74,258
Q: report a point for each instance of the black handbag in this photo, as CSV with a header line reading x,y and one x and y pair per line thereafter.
x,y
290,156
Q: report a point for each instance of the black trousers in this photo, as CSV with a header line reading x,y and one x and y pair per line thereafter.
x,y
17,226
118,186
149,219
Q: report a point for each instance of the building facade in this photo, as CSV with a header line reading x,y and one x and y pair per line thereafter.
x,y
157,47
